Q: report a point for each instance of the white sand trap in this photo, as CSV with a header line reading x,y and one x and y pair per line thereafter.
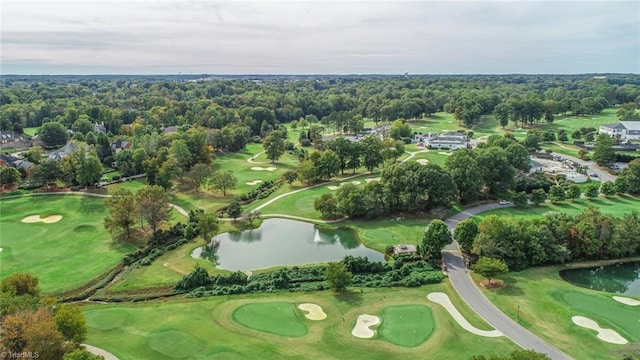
x,y
445,153
620,299
254,182
332,187
312,311
362,329
355,182
260,168
0,249
422,161
443,299
608,335
372,179
36,218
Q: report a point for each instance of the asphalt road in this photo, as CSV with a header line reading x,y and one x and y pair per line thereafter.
x,y
469,292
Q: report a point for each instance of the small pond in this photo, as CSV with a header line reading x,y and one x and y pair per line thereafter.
x,y
622,278
282,242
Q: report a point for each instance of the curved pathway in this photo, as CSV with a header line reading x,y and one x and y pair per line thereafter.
x,y
469,292
101,352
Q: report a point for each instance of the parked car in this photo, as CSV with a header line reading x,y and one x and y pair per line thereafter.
x,y
504,202
593,175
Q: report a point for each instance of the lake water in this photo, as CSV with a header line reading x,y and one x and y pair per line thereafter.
x,y
280,242
623,278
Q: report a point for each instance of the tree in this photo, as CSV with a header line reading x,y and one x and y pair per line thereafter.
x,y
290,176
574,192
224,181
207,225
327,206
252,216
608,188
328,165
400,129
81,354
338,276
342,148
372,152
19,284
496,168
621,185
34,154
538,196
519,157
631,175
199,174
89,170
274,145
592,190
180,151
33,331
516,355
603,153
503,112
196,278
121,211
436,237
234,210
466,174
9,177
153,205
490,267
53,134
464,233
70,322
48,172
519,199
556,194
307,172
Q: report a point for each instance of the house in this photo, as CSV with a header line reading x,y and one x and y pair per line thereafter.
x,y
626,130
65,151
535,166
119,145
10,139
12,161
100,128
404,249
447,140
169,129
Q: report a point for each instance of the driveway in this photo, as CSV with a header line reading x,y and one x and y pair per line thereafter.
x,y
469,292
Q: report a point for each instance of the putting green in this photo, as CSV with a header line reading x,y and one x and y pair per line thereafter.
x,y
280,318
104,320
608,313
63,255
406,325
176,343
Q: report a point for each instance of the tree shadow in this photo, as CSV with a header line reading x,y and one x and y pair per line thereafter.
x,y
349,297
510,288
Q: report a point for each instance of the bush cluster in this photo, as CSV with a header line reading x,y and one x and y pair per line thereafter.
x,y
262,191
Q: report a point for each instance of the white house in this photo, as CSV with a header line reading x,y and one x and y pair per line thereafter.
x,y
626,130
448,140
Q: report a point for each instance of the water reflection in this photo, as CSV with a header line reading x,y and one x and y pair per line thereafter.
x,y
623,278
283,242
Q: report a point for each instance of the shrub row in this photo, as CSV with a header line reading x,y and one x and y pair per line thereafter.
x,y
262,191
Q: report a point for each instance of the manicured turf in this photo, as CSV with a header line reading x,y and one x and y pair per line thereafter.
x,y
280,318
544,303
212,320
175,343
65,254
407,325
615,205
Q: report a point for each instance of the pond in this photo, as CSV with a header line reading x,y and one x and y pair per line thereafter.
x,y
622,278
282,242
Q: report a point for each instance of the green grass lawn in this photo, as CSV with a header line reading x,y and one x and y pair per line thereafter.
x,y
540,300
406,325
377,234
65,254
30,131
205,328
615,205
279,318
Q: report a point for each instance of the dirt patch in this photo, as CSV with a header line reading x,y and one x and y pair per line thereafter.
x,y
260,168
363,326
36,218
607,335
312,311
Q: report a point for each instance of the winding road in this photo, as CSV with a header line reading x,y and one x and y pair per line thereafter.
x,y
469,292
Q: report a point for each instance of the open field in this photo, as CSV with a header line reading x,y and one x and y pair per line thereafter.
x,y
541,301
65,254
615,205
205,328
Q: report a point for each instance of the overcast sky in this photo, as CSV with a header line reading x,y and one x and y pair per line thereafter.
x,y
319,37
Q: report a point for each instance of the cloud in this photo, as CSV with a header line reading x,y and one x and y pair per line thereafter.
x,y
324,36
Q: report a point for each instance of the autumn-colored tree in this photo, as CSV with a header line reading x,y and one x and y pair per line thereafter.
x,y
121,211
20,284
70,322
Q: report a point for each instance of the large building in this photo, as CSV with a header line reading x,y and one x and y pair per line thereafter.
x,y
447,140
626,130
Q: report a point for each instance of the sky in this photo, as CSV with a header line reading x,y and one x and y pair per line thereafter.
x,y
318,37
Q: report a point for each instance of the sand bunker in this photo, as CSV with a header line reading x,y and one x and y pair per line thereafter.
x,y
355,182
362,329
608,335
620,299
0,249
36,218
445,153
443,299
254,182
422,161
372,179
332,187
312,311
259,168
